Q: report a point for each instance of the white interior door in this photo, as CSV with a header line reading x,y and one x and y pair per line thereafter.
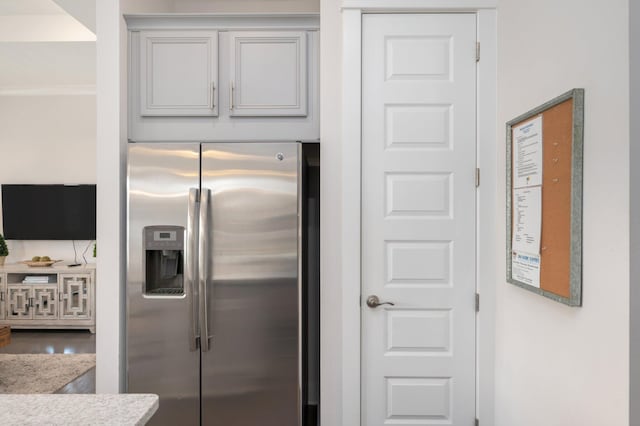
x,y
418,219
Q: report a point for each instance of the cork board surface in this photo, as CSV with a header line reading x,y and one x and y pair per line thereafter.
x,y
556,231
557,128
555,240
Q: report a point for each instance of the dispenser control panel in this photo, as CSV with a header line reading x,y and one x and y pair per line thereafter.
x,y
164,237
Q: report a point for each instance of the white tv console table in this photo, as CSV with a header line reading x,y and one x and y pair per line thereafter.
x,y
66,300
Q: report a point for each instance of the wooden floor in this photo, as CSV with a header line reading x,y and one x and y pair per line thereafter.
x,y
57,342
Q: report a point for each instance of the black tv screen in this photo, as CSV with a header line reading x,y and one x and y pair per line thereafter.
x,y
49,212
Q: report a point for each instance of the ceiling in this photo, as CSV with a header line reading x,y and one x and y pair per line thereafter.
x,y
47,47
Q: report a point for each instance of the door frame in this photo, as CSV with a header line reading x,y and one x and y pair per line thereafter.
x,y
486,201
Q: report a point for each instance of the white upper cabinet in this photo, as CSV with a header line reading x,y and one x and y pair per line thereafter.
x,y
224,77
179,73
268,71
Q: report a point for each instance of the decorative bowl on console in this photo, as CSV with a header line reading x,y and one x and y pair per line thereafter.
x,y
40,263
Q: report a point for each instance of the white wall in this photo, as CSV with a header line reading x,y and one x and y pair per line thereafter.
x,y
220,6
589,344
146,6
558,365
244,6
47,140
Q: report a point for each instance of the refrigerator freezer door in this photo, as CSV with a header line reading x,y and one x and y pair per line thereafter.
x,y
251,372
162,357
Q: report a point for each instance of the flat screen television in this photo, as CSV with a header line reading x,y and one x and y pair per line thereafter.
x,y
49,212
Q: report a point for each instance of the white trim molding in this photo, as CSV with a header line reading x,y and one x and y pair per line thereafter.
x,y
634,210
110,297
222,21
487,214
419,5
351,201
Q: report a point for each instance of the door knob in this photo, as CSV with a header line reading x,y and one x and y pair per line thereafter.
x,y
373,301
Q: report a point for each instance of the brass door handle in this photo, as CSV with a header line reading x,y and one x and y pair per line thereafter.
x,y
373,301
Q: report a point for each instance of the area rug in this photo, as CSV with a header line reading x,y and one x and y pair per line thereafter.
x,y
41,373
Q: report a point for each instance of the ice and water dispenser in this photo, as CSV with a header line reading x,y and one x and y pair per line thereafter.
x,y
164,259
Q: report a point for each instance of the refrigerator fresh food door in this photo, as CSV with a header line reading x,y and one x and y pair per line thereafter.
x,y
251,367
162,353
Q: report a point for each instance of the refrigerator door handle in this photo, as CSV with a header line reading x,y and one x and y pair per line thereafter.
x,y
191,259
203,273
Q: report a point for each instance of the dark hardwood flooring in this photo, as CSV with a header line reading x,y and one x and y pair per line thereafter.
x,y
57,342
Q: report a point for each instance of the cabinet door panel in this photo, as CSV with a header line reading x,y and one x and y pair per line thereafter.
x,y
76,296
179,73
45,304
269,73
18,302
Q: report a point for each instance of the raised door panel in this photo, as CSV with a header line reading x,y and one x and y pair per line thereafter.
x,y
268,73
179,73
45,302
76,296
18,302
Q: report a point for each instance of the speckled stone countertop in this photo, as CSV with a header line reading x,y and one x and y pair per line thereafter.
x,y
80,409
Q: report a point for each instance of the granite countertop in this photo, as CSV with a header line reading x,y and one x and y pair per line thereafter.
x,y
78,409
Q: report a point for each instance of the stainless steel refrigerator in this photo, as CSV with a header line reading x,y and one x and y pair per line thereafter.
x,y
222,281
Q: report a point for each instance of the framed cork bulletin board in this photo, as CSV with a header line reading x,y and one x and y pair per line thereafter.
x,y
544,199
